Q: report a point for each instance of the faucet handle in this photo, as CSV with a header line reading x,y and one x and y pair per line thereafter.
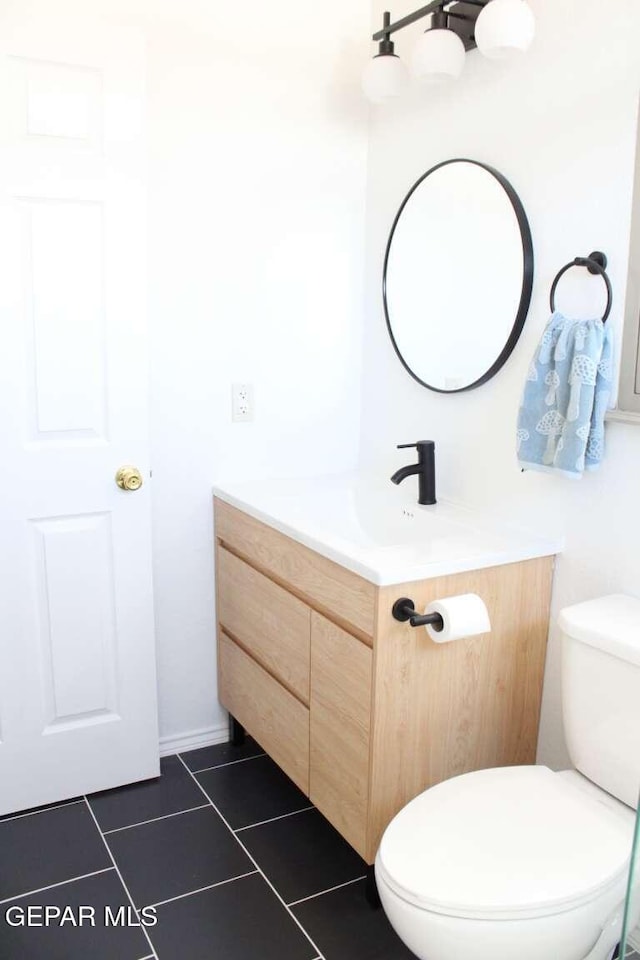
x,y
417,444
406,446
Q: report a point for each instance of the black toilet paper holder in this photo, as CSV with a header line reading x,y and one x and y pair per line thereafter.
x,y
405,609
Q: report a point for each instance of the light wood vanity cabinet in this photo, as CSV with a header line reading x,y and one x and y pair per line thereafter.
x,y
361,711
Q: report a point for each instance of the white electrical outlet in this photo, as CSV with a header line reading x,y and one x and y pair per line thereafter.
x,y
241,402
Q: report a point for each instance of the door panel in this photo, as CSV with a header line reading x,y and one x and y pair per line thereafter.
x,y
77,659
76,619
64,295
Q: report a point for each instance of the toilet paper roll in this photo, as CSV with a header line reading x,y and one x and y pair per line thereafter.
x,y
463,616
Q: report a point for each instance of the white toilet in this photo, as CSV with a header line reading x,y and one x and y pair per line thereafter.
x,y
520,863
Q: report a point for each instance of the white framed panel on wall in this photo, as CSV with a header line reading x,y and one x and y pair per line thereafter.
x,y
629,390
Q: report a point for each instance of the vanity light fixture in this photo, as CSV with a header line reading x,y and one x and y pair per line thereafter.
x,y
439,53
386,76
499,28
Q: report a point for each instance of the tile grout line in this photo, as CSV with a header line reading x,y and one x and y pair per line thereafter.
x,y
217,766
117,869
256,864
282,816
32,813
51,886
338,886
209,886
165,816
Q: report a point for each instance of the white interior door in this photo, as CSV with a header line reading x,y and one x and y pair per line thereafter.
x,y
77,661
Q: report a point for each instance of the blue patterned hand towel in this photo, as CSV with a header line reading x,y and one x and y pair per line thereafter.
x,y
561,419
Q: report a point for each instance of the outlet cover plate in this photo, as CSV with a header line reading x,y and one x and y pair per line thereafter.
x,y
241,402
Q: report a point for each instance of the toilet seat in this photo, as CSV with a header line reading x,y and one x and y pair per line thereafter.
x,y
504,843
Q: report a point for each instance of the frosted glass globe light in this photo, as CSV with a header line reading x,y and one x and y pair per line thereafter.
x,y
438,56
505,28
384,78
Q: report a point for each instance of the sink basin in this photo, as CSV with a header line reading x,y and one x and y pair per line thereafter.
x,y
369,517
378,530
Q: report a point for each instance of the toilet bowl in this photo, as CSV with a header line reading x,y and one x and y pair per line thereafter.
x,y
513,862
521,863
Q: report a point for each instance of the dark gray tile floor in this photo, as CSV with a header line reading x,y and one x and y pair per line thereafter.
x,y
235,861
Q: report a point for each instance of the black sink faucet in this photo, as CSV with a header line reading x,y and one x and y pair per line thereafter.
x,y
425,468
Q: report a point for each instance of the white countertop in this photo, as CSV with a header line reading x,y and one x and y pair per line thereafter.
x,y
378,530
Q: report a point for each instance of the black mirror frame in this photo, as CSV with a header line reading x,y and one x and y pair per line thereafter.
x,y
527,275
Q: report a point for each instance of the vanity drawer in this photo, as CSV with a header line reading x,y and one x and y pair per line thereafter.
x,y
272,715
270,623
339,592
341,668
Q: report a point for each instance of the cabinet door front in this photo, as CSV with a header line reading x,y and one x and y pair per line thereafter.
x,y
272,715
340,720
270,623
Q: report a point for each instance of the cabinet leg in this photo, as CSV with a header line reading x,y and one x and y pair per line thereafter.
x,y
371,889
236,732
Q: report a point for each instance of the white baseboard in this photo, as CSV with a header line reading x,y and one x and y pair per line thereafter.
x,y
196,738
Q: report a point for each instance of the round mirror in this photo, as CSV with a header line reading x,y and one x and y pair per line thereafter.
x,y
458,274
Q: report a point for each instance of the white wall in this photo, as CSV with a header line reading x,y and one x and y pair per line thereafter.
x,y
560,125
257,140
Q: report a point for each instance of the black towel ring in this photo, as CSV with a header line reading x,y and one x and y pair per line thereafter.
x,y
595,263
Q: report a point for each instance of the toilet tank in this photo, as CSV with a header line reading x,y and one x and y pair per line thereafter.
x,y
601,692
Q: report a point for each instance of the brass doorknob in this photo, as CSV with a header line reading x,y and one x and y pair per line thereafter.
x,y
129,478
